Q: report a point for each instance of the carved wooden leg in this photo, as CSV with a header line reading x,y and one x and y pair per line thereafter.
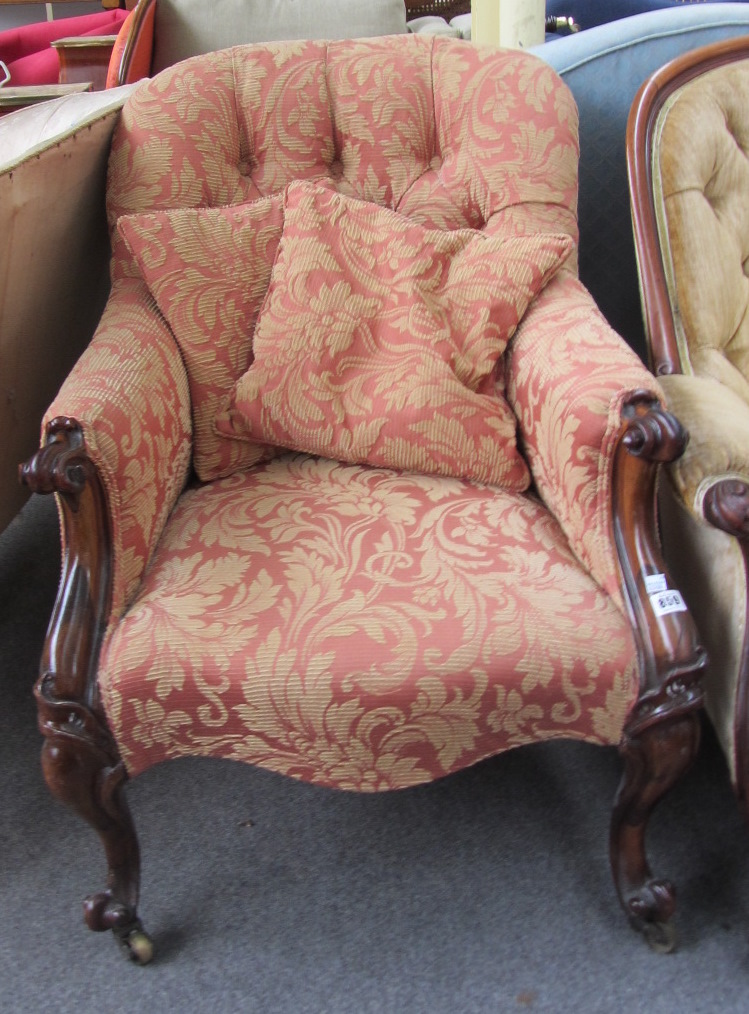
x,y
661,737
80,760
82,769
654,760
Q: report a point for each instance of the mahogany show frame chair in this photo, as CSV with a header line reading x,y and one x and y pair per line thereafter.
x,y
377,616
688,164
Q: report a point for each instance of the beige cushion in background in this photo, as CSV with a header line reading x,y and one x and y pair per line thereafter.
x,y
187,27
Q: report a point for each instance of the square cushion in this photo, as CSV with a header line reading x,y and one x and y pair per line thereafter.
x,y
208,270
379,339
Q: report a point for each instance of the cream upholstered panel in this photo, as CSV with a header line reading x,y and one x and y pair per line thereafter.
x,y
188,27
712,578
53,261
702,197
718,448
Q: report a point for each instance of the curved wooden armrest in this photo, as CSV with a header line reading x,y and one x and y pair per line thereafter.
x,y
671,656
79,618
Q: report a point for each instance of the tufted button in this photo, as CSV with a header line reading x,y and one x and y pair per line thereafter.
x,y
336,169
245,166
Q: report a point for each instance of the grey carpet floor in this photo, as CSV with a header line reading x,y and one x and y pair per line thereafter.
x,y
486,892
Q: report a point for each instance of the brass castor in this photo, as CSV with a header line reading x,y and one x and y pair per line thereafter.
x,y
136,944
661,936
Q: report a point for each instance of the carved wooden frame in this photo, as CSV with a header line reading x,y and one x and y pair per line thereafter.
x,y
80,758
140,11
726,503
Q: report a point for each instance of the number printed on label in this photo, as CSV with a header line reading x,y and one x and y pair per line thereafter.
x,y
668,602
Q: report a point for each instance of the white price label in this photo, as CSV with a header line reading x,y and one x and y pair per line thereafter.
x,y
665,602
655,583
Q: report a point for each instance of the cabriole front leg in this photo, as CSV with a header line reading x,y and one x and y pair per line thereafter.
x,y
80,760
82,770
655,759
661,737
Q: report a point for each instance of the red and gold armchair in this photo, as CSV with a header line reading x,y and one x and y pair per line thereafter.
x,y
356,482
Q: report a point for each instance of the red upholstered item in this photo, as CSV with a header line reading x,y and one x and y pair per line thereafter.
x,y
416,619
138,34
299,234
28,53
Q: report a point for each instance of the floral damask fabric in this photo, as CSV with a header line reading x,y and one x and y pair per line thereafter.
x,y
130,395
208,270
378,340
362,628
350,625
567,380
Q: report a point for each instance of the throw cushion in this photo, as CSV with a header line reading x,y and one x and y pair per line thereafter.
x,y
208,270
379,339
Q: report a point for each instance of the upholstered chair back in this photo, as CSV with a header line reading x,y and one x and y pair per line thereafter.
x,y
184,28
702,209
604,66
437,139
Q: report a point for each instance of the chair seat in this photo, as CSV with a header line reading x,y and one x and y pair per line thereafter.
x,y
362,628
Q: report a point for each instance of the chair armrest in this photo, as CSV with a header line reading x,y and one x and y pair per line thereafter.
x,y
712,476
570,378
127,404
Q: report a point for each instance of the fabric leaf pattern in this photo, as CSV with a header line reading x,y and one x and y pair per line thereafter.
x,y
361,627
378,340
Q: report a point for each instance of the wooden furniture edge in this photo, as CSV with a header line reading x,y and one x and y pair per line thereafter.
x,y
662,735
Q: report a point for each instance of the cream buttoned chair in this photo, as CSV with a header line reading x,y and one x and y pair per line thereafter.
x,y
688,154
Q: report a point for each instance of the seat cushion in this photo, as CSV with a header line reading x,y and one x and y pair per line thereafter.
x,y
362,628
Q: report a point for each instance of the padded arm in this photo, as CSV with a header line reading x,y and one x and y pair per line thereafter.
x,y
718,451
129,397
569,377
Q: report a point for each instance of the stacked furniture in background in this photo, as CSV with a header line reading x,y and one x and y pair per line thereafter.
x,y
688,149
160,33
29,55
